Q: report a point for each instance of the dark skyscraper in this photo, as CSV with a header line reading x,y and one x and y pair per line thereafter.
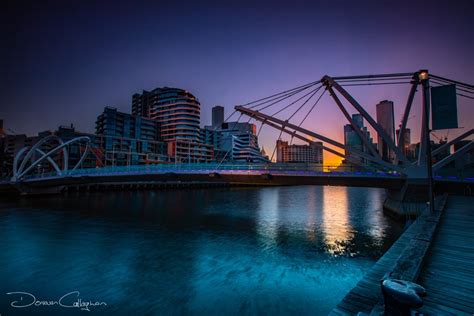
x,y
385,118
129,139
358,120
2,132
406,140
217,115
352,139
233,141
140,104
177,111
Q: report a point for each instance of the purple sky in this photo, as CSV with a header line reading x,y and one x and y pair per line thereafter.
x,y
62,63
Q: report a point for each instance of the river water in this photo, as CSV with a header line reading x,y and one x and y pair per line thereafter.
x,y
238,251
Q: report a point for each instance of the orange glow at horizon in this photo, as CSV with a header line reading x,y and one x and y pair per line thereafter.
x,y
331,159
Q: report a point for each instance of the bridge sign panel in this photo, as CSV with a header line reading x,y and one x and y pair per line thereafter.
x,y
443,107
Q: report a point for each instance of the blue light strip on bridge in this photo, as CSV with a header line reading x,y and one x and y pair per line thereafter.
x,y
252,169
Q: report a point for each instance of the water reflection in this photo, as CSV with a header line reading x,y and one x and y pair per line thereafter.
x,y
336,226
232,251
314,205
268,217
375,223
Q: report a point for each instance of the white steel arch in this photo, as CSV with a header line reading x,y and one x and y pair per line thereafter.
x,y
30,151
22,170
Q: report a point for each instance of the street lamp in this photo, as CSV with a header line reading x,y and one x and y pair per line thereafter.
x,y
423,75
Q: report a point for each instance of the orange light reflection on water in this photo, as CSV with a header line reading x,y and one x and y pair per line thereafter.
x,y
336,227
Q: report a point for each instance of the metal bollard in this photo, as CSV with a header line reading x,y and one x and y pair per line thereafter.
x,y
401,296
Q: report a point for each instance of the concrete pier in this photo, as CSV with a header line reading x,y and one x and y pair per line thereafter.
x,y
436,252
448,274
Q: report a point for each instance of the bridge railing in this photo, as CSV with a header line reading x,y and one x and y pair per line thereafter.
x,y
236,168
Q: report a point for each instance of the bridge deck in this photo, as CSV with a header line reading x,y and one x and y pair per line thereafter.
x,y
448,274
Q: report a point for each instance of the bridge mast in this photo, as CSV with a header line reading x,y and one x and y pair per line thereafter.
x,y
425,151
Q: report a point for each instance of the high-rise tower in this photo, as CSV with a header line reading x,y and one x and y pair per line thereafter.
x,y
385,118
177,111
217,116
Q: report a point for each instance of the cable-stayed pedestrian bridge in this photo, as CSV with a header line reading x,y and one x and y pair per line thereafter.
x,y
216,169
289,112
